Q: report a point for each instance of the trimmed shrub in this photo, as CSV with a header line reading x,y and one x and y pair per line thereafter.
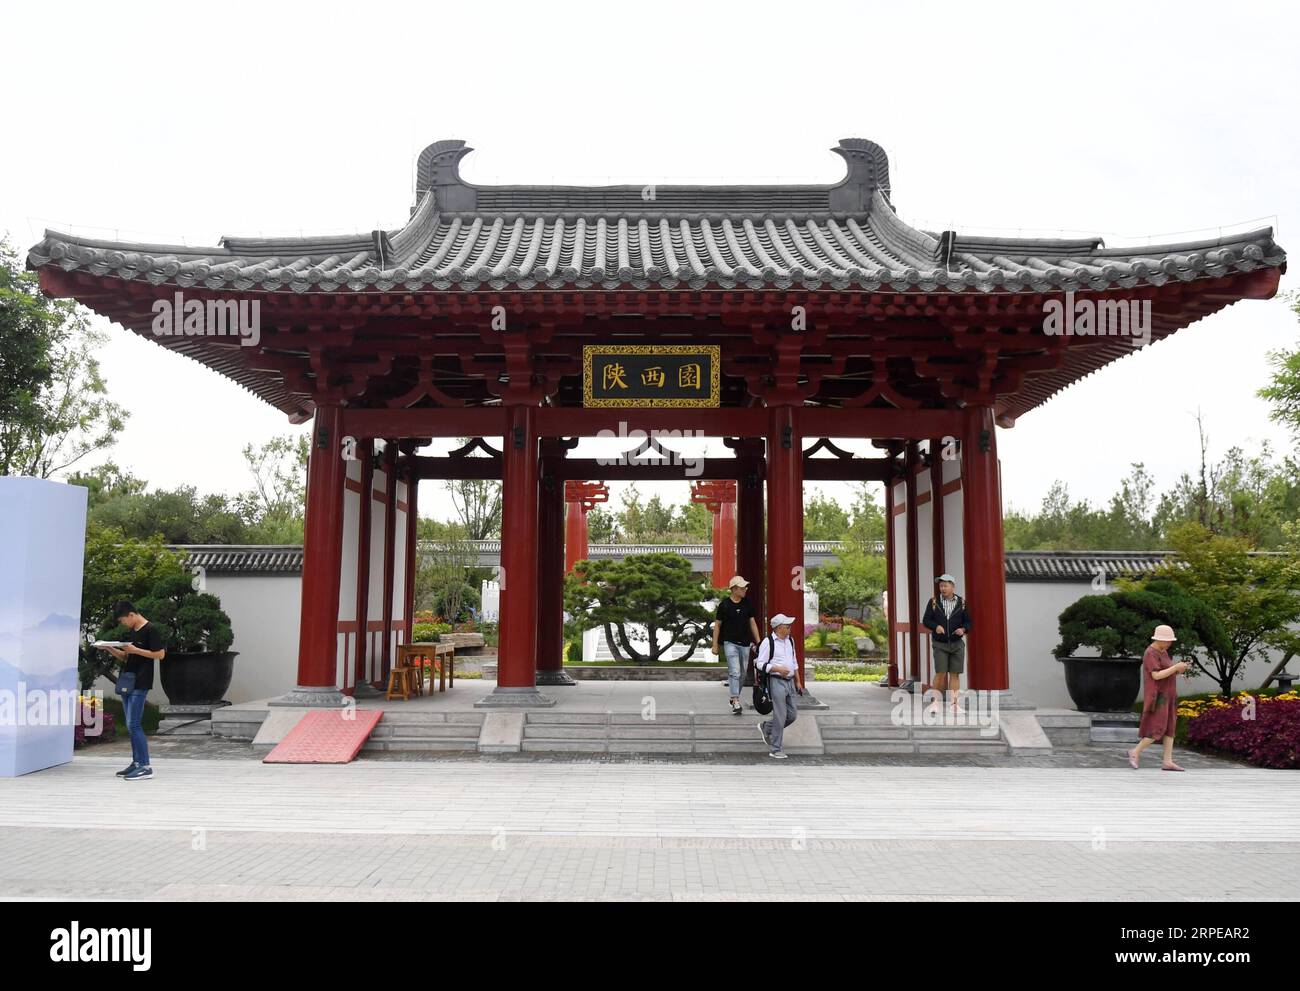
x,y
428,632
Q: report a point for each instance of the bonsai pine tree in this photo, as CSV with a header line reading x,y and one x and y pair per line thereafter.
x,y
194,621
636,599
1120,623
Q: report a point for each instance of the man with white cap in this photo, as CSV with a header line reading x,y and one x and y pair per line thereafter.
x,y
776,657
948,622
735,628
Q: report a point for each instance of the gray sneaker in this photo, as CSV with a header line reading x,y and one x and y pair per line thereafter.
x,y
141,771
777,755
126,770
763,733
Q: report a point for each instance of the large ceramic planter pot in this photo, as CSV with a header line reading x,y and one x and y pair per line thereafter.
x,y
1103,684
197,679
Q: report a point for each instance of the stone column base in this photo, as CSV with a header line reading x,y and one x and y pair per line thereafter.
x,y
560,677
312,697
514,698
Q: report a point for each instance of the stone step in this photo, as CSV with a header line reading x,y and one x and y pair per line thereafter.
x,y
863,746
954,733
865,733
1113,734
425,731
744,731
421,743
992,745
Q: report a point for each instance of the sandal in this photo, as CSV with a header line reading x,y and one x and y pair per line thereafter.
x,y
1171,767
1133,759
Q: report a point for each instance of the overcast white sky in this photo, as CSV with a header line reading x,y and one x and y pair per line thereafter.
x,y
184,122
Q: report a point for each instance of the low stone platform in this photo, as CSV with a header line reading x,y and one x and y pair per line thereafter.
x,y
667,717
465,643
634,672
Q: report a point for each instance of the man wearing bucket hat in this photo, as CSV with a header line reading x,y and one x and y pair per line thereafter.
x,y
735,627
948,622
1159,698
777,659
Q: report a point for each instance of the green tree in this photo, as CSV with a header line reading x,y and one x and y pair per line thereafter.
x,y
1283,391
1119,623
1255,597
443,574
695,523
636,599
600,525
867,528
275,507
116,567
55,401
824,519
854,583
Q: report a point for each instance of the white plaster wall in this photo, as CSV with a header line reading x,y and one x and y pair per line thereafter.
x,y
264,611
346,645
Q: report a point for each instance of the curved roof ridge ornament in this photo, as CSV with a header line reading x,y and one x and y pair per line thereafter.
x,y
868,170
438,170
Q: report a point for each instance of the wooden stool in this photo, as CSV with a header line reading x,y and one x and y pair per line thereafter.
x,y
402,681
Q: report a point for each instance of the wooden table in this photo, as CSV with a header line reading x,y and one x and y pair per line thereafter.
x,y
443,656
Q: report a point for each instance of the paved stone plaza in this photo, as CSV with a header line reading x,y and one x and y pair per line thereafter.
x,y
218,824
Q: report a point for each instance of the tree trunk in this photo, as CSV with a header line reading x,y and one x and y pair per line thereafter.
x,y
633,656
613,646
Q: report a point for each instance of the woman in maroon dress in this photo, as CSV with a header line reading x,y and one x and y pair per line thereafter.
x,y
1159,698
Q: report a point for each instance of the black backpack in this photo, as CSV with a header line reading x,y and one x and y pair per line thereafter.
x,y
762,700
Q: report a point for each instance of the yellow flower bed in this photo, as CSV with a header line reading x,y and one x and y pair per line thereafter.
x,y
1190,708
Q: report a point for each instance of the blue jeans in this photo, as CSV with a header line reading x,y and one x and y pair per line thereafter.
x,y
737,655
133,706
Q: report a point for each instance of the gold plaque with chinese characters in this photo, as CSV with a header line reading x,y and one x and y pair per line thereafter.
x,y
651,375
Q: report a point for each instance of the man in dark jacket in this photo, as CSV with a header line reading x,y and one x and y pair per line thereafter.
x,y
948,622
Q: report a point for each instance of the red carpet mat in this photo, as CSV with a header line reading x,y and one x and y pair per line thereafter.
x,y
325,737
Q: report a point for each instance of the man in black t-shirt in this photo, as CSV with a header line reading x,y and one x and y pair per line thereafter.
x,y
143,645
735,627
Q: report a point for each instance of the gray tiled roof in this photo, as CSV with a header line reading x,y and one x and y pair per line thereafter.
x,y
844,236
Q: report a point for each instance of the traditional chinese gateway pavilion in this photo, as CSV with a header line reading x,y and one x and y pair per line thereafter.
x,y
781,318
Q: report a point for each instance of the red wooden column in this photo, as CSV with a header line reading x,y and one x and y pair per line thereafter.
x,y
719,496
322,560
750,550
412,549
986,590
550,568
390,555
936,514
517,649
785,522
579,499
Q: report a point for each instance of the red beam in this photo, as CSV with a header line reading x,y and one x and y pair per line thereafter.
x,y
912,424
481,421
574,421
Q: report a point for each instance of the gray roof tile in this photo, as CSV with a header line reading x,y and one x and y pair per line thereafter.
x,y
845,236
